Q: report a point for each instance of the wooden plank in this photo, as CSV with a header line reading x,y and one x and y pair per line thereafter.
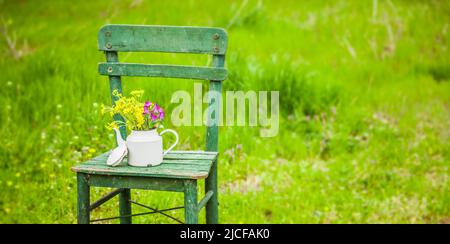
x,y
135,182
125,207
174,39
167,164
172,171
115,83
185,169
205,200
187,163
193,152
192,168
83,189
175,164
212,144
190,202
105,198
160,70
184,155
169,159
190,156
212,130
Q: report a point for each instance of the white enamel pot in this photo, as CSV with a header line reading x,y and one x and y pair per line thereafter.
x,y
145,148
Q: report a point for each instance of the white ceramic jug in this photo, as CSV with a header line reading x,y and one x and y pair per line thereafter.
x,y
145,148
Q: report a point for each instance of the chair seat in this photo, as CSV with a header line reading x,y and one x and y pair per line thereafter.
x,y
175,165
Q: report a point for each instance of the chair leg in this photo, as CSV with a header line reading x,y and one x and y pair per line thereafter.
x,y
190,202
212,207
83,199
125,206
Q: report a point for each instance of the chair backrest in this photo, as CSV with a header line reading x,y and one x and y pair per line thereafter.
x,y
170,39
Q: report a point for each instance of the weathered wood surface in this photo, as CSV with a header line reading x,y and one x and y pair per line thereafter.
x,y
83,189
137,182
179,165
190,202
212,144
204,200
115,84
159,70
105,198
174,39
125,206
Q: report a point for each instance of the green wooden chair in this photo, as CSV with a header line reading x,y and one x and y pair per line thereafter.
x,y
180,170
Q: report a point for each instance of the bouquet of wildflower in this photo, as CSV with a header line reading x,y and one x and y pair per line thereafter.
x,y
138,115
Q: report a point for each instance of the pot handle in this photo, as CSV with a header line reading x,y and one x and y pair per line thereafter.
x,y
176,140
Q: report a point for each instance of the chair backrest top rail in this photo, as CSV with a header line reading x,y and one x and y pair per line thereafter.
x,y
171,39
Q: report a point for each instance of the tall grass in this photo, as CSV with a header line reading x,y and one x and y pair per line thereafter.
x,y
364,131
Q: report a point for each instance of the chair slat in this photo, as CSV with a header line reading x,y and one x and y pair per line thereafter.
x,y
159,70
181,169
174,39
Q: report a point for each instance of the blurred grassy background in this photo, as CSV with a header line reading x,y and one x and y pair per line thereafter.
x,y
364,87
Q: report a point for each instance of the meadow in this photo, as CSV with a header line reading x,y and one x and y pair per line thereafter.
x,y
364,107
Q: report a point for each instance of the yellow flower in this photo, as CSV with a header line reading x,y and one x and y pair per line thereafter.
x,y
116,93
130,108
104,109
112,125
137,93
139,119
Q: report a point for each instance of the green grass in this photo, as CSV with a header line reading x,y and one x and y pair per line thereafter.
x,y
364,127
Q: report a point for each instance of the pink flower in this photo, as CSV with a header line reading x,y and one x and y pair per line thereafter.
x,y
146,106
157,108
153,111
